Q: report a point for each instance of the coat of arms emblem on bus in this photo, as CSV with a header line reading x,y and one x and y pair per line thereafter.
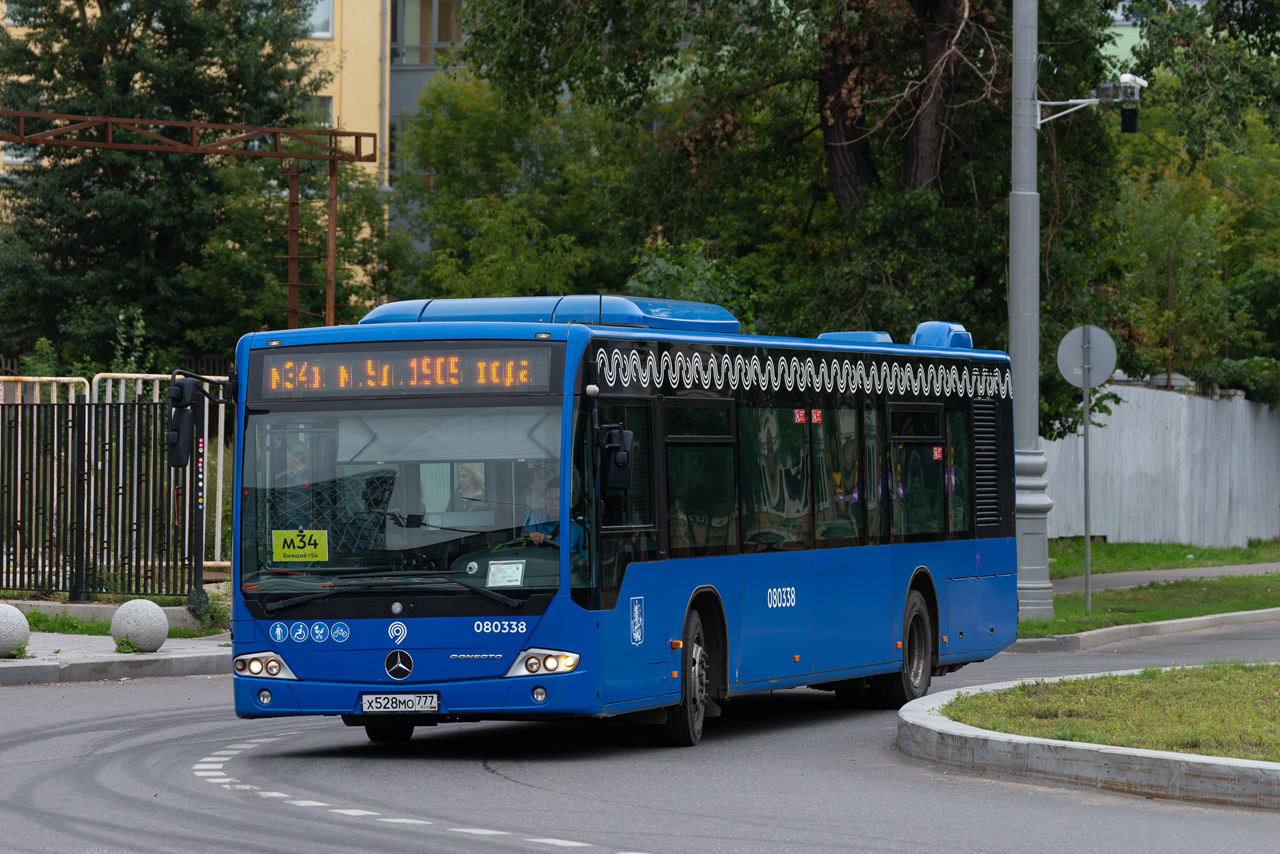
x,y
637,620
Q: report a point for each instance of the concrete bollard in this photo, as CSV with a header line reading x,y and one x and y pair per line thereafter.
x,y
14,631
141,621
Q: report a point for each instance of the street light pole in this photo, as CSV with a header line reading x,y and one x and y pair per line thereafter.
x,y
1032,503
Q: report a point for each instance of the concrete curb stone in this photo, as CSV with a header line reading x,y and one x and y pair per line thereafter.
x,y
114,667
1114,634
924,733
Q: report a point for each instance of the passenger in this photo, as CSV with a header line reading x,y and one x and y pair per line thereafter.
x,y
470,492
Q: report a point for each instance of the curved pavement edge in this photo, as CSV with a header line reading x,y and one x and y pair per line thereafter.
x,y
924,733
114,667
1112,634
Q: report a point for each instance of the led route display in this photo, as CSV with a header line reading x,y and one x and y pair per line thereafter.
x,y
405,372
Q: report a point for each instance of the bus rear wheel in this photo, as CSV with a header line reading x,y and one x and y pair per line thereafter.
x,y
389,733
895,690
684,722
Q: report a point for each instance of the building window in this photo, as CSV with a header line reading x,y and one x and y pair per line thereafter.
x,y
423,30
322,20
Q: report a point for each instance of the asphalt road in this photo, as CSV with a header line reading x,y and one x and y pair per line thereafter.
x,y
163,765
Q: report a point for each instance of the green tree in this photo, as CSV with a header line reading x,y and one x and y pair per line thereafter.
x,y
98,232
845,163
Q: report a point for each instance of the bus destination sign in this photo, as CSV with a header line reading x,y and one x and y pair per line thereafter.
x,y
406,372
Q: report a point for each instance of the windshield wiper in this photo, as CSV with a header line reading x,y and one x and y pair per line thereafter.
x,y
276,607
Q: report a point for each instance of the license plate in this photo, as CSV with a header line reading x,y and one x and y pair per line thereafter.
x,y
376,704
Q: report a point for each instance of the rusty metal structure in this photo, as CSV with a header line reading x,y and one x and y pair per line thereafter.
x,y
222,140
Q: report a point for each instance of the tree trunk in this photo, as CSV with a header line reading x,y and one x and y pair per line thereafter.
x,y
922,162
840,85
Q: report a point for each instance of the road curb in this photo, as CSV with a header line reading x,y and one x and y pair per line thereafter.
x,y
925,734
139,666
1113,634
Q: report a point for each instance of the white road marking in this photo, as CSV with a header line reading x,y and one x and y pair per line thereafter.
x,y
354,812
241,746
404,821
274,795
210,774
307,803
479,831
220,780
241,787
227,752
207,766
563,843
263,740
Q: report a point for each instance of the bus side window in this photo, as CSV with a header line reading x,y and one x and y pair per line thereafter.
x,y
877,493
702,504
775,479
838,478
958,466
701,510
916,469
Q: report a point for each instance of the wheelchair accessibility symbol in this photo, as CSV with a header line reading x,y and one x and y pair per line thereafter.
x,y
298,632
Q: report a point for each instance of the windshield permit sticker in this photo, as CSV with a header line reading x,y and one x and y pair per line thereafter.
x,y
505,573
299,545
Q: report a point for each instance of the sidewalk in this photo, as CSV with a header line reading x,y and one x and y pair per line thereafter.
x,y
87,658
1124,580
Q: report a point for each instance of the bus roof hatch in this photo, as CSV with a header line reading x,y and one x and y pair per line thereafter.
x,y
600,310
942,335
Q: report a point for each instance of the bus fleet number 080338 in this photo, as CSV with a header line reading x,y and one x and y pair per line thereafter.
x,y
782,597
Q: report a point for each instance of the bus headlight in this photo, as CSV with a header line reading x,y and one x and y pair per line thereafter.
x,y
264,665
543,661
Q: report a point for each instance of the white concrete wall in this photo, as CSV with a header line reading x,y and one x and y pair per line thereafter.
x,y
1170,468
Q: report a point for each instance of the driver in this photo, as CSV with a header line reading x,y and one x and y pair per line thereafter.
x,y
543,526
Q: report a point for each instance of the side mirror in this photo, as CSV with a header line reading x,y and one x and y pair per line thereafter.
x,y
617,459
181,393
181,426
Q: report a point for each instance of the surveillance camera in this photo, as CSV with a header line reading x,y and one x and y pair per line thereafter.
x,y
1132,80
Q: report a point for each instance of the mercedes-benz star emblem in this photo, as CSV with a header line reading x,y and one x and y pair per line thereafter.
x,y
399,664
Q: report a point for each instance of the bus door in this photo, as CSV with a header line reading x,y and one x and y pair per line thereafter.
x,y
632,578
777,605
851,561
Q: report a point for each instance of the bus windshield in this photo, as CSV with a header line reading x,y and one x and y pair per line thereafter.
x,y
377,497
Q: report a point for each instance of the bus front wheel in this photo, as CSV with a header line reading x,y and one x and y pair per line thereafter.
x,y
389,733
684,722
895,690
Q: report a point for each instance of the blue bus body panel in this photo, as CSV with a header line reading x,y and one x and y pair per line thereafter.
x,y
853,617
776,614
635,644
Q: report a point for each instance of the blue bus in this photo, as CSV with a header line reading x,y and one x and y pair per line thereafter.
x,y
589,507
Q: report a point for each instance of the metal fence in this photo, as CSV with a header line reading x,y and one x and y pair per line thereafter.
x,y
88,502
217,426
1171,468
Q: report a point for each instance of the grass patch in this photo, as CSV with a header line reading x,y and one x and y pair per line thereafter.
x,y
1172,601
1066,556
1222,709
64,624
